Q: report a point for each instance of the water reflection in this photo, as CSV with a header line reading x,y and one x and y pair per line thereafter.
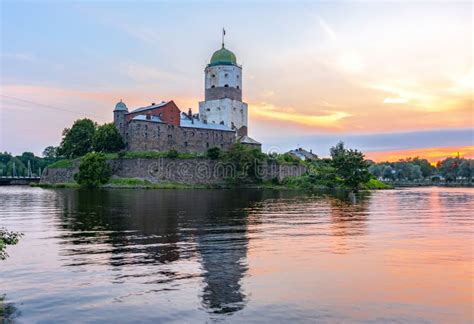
x,y
182,256
137,228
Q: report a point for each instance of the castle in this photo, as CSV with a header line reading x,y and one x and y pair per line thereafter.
x,y
221,121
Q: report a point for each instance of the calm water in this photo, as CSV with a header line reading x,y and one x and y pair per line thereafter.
x,y
232,256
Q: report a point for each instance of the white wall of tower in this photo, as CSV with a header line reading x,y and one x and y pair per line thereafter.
x,y
230,112
222,75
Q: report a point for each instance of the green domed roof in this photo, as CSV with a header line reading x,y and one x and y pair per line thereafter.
x,y
223,57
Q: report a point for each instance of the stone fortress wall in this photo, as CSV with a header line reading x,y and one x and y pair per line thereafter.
x,y
186,171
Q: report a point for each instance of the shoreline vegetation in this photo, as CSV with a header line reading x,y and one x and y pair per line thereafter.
x,y
137,183
346,169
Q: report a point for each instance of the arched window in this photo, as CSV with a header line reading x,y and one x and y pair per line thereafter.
x,y
226,86
213,86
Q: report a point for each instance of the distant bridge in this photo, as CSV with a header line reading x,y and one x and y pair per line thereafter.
x,y
11,181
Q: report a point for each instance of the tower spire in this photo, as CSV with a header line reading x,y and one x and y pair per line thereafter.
x,y
223,34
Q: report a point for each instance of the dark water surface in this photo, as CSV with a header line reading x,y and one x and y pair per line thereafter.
x,y
232,256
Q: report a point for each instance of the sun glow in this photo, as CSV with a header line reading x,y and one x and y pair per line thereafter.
x,y
432,154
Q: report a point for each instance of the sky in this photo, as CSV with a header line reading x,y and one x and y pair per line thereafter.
x,y
392,79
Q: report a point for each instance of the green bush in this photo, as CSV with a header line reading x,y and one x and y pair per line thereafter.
x,y
214,153
93,170
247,163
7,238
373,184
172,154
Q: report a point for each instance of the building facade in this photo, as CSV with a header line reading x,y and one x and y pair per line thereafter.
x,y
221,122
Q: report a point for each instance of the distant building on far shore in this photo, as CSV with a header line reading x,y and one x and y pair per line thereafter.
x,y
222,119
303,154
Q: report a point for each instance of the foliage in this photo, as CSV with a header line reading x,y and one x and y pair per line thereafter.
x,y
61,164
93,170
18,165
78,140
285,158
247,163
50,152
376,170
7,238
129,182
374,184
107,139
452,169
214,153
350,166
172,154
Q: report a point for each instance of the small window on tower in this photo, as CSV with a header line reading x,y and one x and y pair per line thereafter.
x,y
213,75
226,86
238,87
213,86
237,76
208,109
226,75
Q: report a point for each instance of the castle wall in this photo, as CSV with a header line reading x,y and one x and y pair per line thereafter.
x,y
186,171
152,136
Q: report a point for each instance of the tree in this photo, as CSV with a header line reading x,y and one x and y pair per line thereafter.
x,y
415,172
449,169
350,166
466,169
78,140
50,152
7,238
246,162
93,170
426,168
107,139
15,167
387,172
375,170
214,153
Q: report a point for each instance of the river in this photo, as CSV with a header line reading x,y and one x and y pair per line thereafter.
x,y
238,256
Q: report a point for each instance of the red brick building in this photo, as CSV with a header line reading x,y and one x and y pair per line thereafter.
x,y
167,112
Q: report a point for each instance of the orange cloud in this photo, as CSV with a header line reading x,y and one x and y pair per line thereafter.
x,y
432,154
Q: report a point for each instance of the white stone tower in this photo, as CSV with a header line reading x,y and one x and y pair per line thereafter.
x,y
223,92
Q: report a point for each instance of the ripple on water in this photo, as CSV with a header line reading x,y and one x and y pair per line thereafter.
x,y
238,255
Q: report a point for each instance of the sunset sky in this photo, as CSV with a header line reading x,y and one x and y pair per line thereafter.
x,y
392,79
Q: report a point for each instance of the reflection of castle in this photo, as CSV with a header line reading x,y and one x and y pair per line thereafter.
x,y
222,119
159,233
